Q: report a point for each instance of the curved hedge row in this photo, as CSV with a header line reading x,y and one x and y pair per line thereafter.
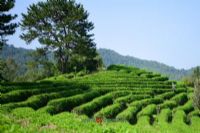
x,y
130,98
187,107
41,100
165,116
67,104
168,104
96,104
147,111
129,114
180,98
110,111
21,95
179,118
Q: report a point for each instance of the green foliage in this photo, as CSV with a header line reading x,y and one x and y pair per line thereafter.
x,y
128,114
111,57
68,103
110,111
113,95
196,97
196,75
148,111
168,104
96,104
164,116
6,27
131,97
179,117
10,70
38,101
180,98
187,107
2,67
63,27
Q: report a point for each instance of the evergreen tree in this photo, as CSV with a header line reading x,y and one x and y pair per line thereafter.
x,y
62,26
6,27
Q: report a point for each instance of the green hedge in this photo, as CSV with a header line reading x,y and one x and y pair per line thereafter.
x,y
168,104
187,107
110,111
165,116
67,104
41,100
129,114
179,118
166,95
96,104
148,111
180,98
21,95
130,98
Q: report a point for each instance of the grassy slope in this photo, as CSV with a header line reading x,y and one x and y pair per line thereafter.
x,y
25,119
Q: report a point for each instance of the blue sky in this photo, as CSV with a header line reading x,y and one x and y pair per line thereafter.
x,y
167,31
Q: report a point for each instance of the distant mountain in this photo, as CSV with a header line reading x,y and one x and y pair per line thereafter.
x,y
112,57
20,55
109,57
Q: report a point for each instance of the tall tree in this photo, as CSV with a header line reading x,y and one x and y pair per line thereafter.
x,y
6,27
61,26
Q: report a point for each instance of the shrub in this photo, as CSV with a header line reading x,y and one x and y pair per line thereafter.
x,y
110,111
81,73
94,105
40,100
168,104
180,98
164,116
148,111
160,78
144,120
166,95
15,96
129,114
196,97
179,117
130,98
188,107
67,104
97,103
194,113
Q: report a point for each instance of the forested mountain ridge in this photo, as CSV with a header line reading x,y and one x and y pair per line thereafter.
x,y
21,56
112,57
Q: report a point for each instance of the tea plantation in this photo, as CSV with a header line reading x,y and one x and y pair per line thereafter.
x,y
120,99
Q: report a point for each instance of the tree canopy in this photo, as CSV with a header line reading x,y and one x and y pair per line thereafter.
x,y
6,27
62,26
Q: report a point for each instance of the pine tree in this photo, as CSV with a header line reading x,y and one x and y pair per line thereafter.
x,y
60,26
6,27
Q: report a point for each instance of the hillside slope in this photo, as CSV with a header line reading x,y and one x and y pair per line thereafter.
x,y
109,57
119,99
112,57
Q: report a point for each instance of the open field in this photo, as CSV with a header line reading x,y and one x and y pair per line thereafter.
x,y
120,99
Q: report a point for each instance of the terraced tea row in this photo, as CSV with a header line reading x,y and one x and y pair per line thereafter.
x,y
134,96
